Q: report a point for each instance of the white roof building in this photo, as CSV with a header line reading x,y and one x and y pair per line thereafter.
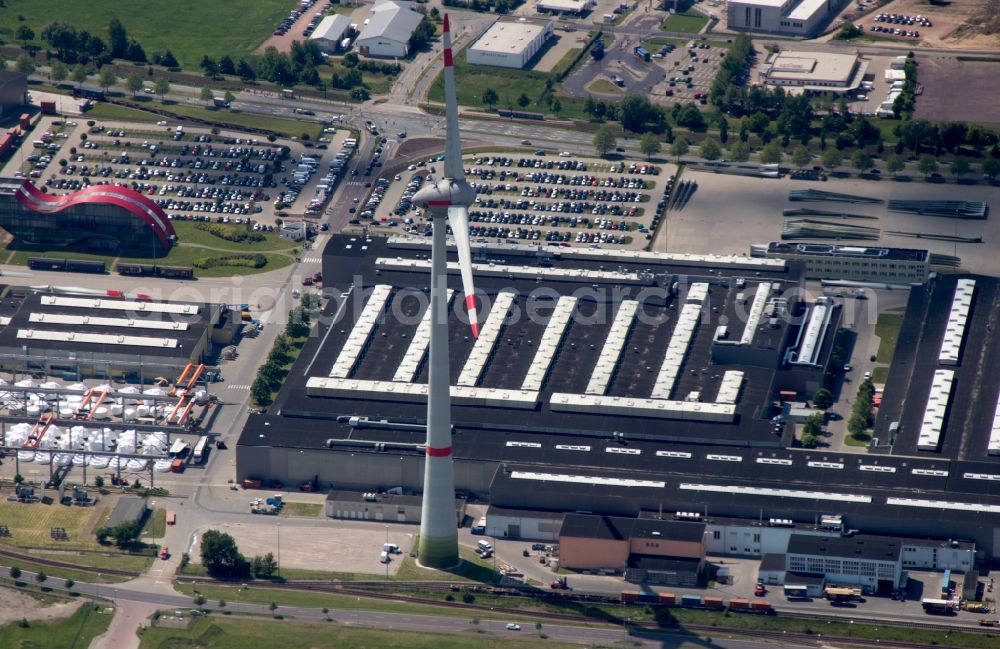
x,y
563,6
330,31
389,31
788,17
510,42
819,71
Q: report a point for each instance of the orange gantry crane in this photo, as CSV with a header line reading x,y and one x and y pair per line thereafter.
x,y
184,390
86,409
38,431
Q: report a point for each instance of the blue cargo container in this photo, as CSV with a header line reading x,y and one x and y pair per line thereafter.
x,y
691,600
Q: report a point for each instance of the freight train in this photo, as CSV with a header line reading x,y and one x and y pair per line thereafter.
x,y
151,270
69,265
710,602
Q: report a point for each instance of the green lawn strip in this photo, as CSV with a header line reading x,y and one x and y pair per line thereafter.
x,y
190,232
880,374
182,255
653,45
114,560
472,568
887,330
22,253
233,595
688,22
310,510
850,440
188,28
67,573
291,574
829,629
605,86
73,632
259,634
156,525
235,119
115,112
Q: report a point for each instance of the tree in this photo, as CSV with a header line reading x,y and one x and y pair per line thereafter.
x,y
710,149
927,164
69,583
861,161
123,533
206,94
812,430
523,100
351,60
107,77
24,34
739,151
822,399
79,74
133,83
210,67
15,572
991,167
168,60
273,607
832,158
679,147
117,38
771,153
264,566
604,140
40,576
556,105
199,600
801,157
58,71
162,87
638,114
24,64
220,556
229,97
226,65
61,36
490,97
135,52
246,71
960,167
895,163
649,145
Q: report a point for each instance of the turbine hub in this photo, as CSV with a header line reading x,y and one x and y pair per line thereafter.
x,y
446,192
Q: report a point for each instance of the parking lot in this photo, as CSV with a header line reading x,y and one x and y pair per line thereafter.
x,y
552,199
193,174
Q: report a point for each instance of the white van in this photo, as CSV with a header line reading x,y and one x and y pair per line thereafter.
x,y
484,546
391,548
384,557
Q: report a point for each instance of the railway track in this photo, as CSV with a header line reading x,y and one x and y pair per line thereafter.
x,y
52,563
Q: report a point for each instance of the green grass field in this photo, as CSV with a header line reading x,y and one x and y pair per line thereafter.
x,y
156,524
688,22
31,525
880,374
74,632
188,28
887,329
308,510
253,634
605,86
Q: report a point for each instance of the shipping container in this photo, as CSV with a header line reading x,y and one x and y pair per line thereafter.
x,y
177,466
668,598
761,606
630,596
712,601
84,266
25,121
690,600
46,263
739,604
171,517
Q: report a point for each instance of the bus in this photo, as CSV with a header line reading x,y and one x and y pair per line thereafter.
x,y
938,606
796,592
199,448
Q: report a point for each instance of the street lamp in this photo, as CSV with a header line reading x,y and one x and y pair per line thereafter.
x,y
386,549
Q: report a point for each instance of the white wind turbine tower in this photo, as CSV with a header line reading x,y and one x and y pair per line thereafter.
x,y
448,198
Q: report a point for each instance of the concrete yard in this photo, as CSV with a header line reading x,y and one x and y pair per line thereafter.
x,y
336,546
728,213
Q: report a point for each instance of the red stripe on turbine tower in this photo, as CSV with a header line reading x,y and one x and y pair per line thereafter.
x,y
438,452
447,57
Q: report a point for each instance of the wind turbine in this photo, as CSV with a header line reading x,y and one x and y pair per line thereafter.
x,y
447,201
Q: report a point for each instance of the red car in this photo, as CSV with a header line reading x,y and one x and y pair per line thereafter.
x,y
759,590
164,553
307,281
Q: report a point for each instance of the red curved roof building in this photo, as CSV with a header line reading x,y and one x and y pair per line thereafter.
x,y
101,218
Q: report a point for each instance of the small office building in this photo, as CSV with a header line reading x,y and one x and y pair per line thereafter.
x,y
855,263
511,42
388,32
815,71
330,32
13,91
785,17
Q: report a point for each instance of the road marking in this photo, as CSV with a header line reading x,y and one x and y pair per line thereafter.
x,y
237,387
311,260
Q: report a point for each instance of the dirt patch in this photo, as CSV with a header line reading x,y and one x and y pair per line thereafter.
x,y
15,605
557,47
419,145
945,79
961,24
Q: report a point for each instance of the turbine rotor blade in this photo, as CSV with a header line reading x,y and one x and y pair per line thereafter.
x,y
458,218
453,145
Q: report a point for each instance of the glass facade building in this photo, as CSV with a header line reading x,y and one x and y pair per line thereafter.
x,y
105,219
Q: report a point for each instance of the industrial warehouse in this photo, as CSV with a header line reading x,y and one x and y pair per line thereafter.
x,y
617,382
511,42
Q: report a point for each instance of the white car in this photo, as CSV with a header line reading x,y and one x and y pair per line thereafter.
x,y
161,123
565,154
513,627
867,376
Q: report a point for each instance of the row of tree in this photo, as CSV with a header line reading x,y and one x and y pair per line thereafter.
x,y
74,45
861,412
272,373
